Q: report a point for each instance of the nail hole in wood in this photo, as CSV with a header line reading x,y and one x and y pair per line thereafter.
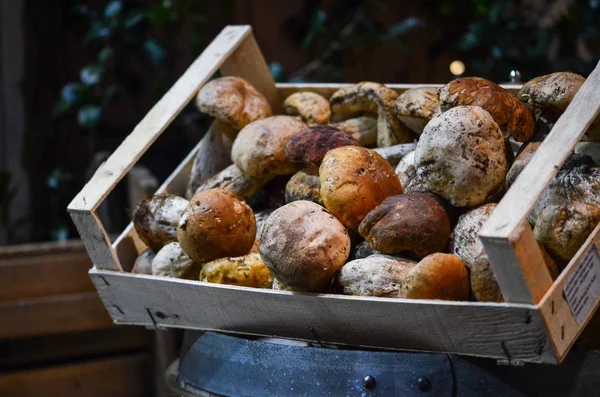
x,y
161,315
562,332
528,318
552,307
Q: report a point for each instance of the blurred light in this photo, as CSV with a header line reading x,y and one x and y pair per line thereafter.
x,y
457,68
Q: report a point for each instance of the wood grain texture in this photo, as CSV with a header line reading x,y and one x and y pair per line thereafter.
x,y
487,330
52,315
562,327
548,159
122,376
96,240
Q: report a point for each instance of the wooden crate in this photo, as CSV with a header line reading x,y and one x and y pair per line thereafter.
x,y
534,325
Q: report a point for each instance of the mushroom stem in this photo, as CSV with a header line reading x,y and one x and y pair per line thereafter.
x,y
393,154
363,129
214,154
236,181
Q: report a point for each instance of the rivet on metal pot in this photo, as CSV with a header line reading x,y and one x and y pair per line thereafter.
x,y
368,382
423,384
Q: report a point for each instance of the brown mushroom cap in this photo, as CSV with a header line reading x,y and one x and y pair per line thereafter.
x,y
304,185
312,107
564,229
216,224
416,106
354,180
512,116
259,149
236,181
232,100
156,219
413,222
362,128
554,91
304,245
243,271
373,98
310,145
461,156
376,275
464,241
437,276
171,261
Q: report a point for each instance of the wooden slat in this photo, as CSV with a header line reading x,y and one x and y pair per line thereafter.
x,y
96,240
37,276
124,376
501,232
488,330
40,249
562,327
52,315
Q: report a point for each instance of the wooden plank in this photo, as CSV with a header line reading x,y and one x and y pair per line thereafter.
x,y
96,240
562,327
513,209
124,376
158,118
248,62
482,329
52,315
39,249
52,349
38,276
522,267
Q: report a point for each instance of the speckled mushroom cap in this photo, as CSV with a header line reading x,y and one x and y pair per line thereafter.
x,y
461,156
416,106
464,241
554,91
171,261
512,116
310,145
304,245
310,106
244,271
354,180
259,149
156,219
374,98
232,100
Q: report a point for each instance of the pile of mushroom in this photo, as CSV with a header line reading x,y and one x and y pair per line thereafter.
x,y
368,192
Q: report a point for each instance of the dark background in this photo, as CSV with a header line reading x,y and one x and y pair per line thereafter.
x,y
78,75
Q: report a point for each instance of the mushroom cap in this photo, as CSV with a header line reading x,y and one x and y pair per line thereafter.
x,y
437,276
232,100
216,224
259,149
464,241
143,263
156,219
374,98
512,116
554,91
236,181
310,145
244,271
304,185
362,128
523,158
171,261
413,222
461,156
416,106
564,229
354,180
312,107
406,170
304,245
376,275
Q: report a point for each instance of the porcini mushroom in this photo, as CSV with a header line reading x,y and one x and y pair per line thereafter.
x,y
312,108
216,224
304,185
407,222
376,275
461,156
156,218
234,103
143,263
464,241
371,98
171,261
416,106
362,128
354,180
310,144
512,116
243,271
304,245
259,149
236,181
406,170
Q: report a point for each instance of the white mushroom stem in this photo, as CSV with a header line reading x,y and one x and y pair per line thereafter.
x,y
393,154
214,154
236,181
363,129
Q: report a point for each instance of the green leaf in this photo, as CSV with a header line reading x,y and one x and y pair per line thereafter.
x,y
159,15
277,71
91,74
134,19
155,52
402,28
98,31
88,116
317,25
71,93
60,108
106,54
109,94
113,9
